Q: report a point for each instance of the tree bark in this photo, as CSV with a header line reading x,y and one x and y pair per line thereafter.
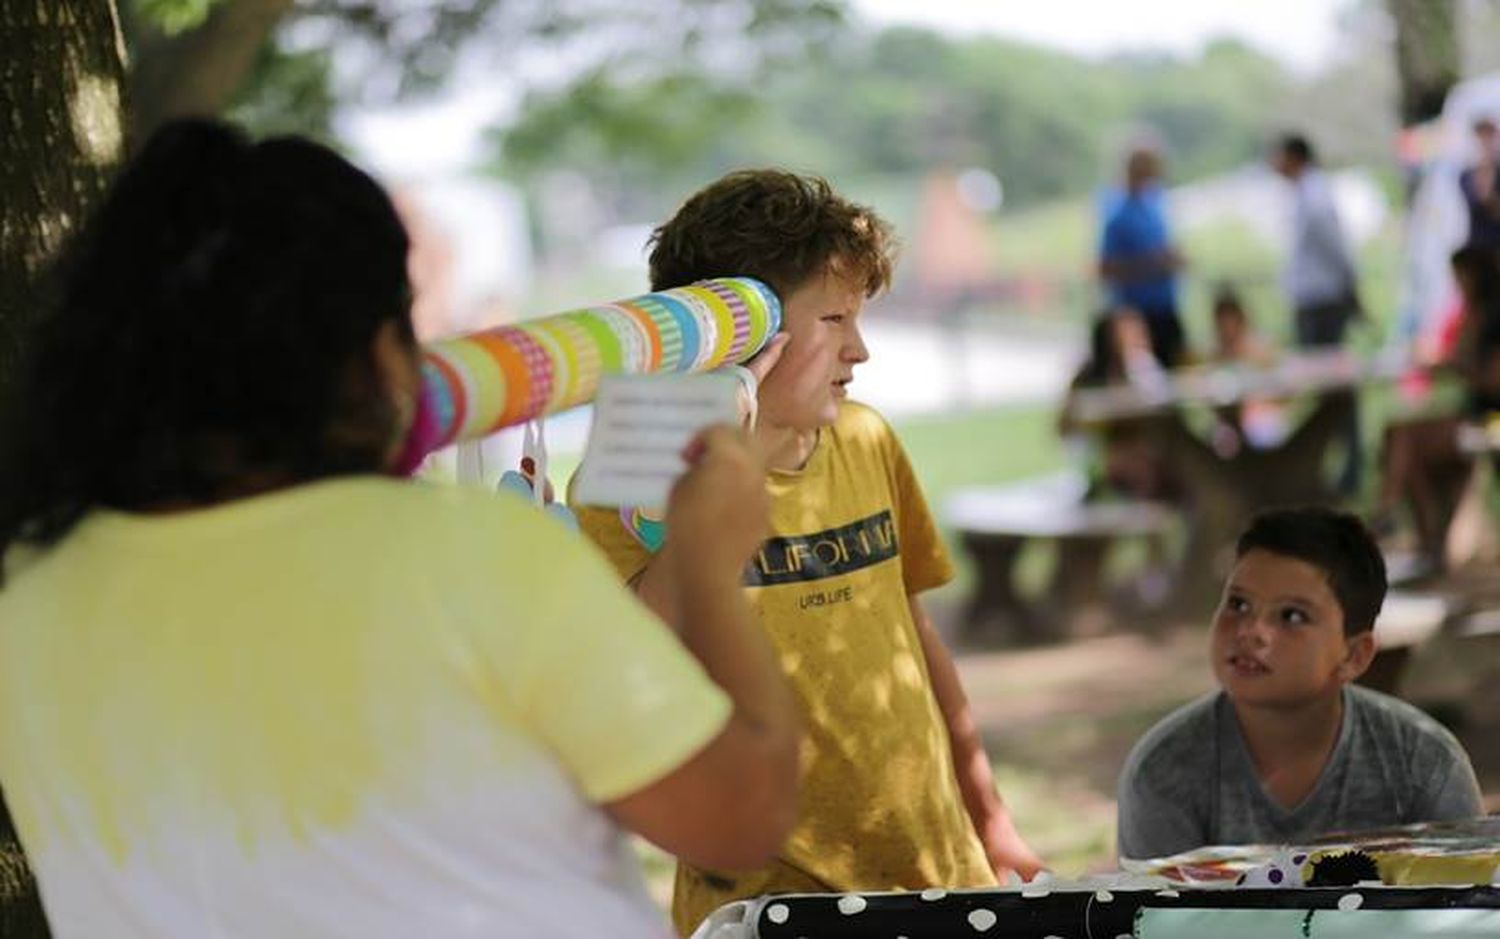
x,y
61,133
1427,58
196,73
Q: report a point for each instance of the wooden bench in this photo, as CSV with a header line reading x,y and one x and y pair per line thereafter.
x,y
994,523
1478,624
1406,622
1454,609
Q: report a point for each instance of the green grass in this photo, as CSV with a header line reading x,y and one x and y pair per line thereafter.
x,y
952,450
981,446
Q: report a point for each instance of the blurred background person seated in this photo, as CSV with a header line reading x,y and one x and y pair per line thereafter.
x,y
1122,456
1258,422
1423,470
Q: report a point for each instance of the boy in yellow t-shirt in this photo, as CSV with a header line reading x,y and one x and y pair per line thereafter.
x,y
896,789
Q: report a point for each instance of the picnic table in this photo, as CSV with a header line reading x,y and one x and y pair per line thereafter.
x,y
1406,622
1478,439
1131,907
1294,374
995,523
1434,879
1222,491
1472,532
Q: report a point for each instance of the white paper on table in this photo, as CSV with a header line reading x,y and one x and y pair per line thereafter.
x,y
641,425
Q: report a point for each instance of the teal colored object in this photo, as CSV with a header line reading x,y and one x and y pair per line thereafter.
x,y
1316,924
650,532
521,486
1220,924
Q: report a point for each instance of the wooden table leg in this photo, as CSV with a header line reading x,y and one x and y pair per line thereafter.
x,y
994,603
1078,580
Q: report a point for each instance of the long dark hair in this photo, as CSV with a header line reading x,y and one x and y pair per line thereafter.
x,y
1104,364
213,322
1481,266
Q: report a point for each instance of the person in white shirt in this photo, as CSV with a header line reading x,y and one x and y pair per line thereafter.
x,y
1320,281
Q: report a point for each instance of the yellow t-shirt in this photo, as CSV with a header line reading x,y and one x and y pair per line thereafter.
x,y
358,707
880,806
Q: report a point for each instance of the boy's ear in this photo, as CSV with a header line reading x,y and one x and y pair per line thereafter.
x,y
1359,652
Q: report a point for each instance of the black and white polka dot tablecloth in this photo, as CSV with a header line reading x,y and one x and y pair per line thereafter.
x,y
1100,914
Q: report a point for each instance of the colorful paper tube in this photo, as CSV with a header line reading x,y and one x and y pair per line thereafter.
x,y
479,383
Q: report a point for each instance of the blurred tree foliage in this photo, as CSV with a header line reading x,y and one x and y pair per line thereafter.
x,y
904,100
270,65
647,100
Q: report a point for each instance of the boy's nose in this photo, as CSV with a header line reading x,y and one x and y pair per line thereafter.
x,y
854,349
1253,628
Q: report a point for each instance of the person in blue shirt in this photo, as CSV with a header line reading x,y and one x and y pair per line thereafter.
x,y
1138,261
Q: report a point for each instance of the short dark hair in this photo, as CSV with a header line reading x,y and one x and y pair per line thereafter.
x,y
1298,148
1227,300
1481,264
1336,543
776,226
213,321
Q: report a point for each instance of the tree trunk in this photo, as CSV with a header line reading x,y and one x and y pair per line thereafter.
x,y
196,73
1427,59
61,134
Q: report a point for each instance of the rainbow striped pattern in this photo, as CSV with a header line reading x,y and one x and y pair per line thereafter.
x,y
479,383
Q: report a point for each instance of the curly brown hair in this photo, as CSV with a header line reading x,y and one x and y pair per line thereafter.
x,y
776,226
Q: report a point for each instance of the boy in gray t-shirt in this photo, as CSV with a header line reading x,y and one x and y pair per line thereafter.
x,y
1288,750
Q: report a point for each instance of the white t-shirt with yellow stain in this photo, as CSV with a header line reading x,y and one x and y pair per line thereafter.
x,y
355,708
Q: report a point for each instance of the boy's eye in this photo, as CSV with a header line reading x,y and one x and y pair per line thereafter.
x,y
1294,616
1236,604
833,318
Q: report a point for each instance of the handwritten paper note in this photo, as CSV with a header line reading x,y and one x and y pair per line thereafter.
x,y
641,425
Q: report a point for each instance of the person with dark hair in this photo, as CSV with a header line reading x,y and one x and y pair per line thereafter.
x,y
1128,461
1120,353
1480,185
1422,467
1321,284
252,683
1235,339
1297,149
1288,749
1257,421
1476,352
1138,260
897,791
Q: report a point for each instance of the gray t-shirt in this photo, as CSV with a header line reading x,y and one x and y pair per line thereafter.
x,y
1190,781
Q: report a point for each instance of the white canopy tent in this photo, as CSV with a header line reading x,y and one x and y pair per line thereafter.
x,y
1438,222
